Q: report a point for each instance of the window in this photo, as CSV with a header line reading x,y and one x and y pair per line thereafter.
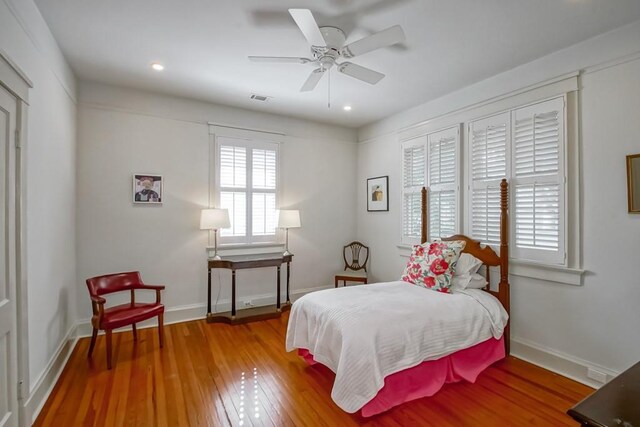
x,y
432,161
525,145
245,177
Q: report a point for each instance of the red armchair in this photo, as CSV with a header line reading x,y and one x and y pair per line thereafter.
x,y
118,316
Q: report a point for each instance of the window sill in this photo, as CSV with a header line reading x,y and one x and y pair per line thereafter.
x,y
247,249
550,273
546,272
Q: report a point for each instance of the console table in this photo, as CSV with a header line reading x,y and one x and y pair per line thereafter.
x,y
242,262
616,403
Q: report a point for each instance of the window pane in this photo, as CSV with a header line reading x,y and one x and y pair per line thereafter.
x,y
537,215
264,169
236,202
442,214
442,161
537,142
264,214
414,166
489,151
233,166
412,215
485,217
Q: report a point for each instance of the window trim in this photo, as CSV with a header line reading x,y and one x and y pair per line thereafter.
x,y
522,255
566,85
424,140
249,139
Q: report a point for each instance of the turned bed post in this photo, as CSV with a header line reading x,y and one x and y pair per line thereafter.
x,y
423,213
503,289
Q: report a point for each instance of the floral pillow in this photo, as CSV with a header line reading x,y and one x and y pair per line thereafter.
x,y
431,265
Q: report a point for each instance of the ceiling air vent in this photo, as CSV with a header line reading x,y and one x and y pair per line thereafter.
x,y
260,98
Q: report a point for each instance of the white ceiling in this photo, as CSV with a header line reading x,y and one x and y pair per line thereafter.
x,y
204,45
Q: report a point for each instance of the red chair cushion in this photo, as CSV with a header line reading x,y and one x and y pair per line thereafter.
x,y
123,315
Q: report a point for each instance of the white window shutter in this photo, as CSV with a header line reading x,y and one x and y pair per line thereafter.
x,y
538,181
489,148
413,179
246,185
443,182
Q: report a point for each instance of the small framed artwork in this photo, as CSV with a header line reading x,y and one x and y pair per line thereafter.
x,y
378,194
147,188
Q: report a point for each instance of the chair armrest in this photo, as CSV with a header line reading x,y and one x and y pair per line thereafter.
x,y
152,287
98,300
156,288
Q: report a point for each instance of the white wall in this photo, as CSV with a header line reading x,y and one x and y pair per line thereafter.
x,y
50,154
595,324
123,131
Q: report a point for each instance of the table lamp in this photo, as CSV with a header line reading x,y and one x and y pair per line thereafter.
x,y
288,219
214,219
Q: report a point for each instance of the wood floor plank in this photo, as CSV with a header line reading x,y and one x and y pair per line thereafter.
x,y
196,380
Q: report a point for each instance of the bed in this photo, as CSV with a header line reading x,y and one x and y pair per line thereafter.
x,y
389,343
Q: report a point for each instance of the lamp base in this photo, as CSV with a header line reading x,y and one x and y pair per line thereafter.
x,y
216,257
286,253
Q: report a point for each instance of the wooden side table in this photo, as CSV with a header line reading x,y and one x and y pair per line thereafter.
x,y
242,262
617,403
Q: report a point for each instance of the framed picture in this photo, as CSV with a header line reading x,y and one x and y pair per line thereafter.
x,y
378,194
147,188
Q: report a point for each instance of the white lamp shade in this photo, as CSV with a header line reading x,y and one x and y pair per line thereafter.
x,y
289,218
214,219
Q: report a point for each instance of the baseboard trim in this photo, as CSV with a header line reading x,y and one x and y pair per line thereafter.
x,y
186,313
561,363
40,392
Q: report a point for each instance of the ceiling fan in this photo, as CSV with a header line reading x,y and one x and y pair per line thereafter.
x,y
327,47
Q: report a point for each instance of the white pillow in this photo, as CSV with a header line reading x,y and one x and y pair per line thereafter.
x,y
477,281
467,265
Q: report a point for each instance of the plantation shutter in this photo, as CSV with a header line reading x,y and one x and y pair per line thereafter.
x,y
233,185
246,185
443,182
413,179
490,140
538,181
263,172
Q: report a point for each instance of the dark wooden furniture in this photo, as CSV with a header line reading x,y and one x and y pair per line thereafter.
x,y
242,262
485,254
111,318
354,270
617,403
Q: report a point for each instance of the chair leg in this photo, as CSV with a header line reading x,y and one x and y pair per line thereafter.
x,y
108,335
336,282
135,332
94,337
161,329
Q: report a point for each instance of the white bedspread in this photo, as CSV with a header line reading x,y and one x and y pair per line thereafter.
x,y
365,333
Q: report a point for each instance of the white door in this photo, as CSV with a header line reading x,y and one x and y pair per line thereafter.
x,y
8,321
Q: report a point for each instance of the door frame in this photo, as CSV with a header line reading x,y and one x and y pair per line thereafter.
x,y
13,79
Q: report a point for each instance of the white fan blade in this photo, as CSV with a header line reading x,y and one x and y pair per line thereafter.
x,y
361,73
307,24
289,59
375,41
313,80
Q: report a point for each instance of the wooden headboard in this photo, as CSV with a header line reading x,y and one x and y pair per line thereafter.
x,y
486,254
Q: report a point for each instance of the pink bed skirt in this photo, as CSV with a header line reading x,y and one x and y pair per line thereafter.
x,y
428,377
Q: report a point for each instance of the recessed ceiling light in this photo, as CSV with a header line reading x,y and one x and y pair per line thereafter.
x,y
347,108
157,66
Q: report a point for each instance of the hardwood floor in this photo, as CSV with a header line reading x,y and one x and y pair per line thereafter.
x,y
196,380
